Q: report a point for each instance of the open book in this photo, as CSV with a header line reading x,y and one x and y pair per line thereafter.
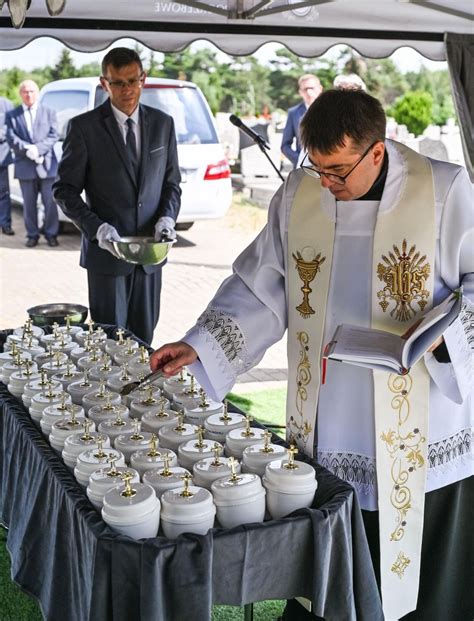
x,y
378,349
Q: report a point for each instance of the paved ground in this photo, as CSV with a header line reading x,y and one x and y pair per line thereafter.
x,y
198,263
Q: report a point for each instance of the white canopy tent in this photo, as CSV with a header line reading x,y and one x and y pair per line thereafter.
x,y
439,30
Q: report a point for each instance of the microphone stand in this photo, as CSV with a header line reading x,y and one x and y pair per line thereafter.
x,y
260,142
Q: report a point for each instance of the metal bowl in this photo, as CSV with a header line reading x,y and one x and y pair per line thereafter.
x,y
142,250
47,314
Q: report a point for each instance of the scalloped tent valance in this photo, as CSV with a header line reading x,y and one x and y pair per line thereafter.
x,y
238,27
307,27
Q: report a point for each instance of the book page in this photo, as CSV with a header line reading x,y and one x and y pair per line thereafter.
x,y
429,319
432,326
366,345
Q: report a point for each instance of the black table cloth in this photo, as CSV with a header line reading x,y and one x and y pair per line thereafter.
x,y
80,569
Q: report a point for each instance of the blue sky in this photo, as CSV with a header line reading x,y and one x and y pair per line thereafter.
x,y
45,51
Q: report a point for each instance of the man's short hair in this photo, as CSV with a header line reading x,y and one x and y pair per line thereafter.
x,y
350,81
307,76
120,57
336,114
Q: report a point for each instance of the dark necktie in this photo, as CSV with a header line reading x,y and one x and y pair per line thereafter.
x,y
132,146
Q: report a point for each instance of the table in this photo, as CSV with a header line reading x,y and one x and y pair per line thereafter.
x,y
79,569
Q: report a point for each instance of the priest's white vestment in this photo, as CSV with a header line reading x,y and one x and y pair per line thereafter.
x,y
250,312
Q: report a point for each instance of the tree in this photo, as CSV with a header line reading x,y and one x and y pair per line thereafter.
x,y
436,83
64,68
91,70
415,110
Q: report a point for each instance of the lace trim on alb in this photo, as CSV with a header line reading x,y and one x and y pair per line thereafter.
x,y
466,317
360,471
447,450
229,338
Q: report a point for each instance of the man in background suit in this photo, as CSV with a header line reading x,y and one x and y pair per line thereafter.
x,y
124,155
309,88
5,160
32,132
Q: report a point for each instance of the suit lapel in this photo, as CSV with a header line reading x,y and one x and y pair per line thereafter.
x,y
112,127
22,122
37,122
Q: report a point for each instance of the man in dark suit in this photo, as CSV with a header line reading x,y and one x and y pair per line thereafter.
x,y
124,155
5,160
309,88
32,131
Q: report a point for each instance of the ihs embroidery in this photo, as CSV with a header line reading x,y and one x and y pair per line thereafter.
x,y
405,275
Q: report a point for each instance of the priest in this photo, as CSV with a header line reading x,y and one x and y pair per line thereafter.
x,y
371,233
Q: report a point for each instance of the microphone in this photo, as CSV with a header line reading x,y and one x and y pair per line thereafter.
x,y
250,133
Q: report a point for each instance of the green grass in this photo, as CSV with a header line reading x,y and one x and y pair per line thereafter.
x,y
14,604
266,406
262,611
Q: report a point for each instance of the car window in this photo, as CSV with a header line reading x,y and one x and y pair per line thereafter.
x,y
193,123
66,103
100,96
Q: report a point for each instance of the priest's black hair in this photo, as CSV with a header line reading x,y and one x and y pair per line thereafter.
x,y
338,114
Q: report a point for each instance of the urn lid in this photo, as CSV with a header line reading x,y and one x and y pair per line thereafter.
x,y
159,417
237,486
177,382
116,426
213,467
289,474
186,501
109,475
71,423
28,329
249,435
224,422
134,441
166,476
179,432
129,501
204,406
262,453
198,448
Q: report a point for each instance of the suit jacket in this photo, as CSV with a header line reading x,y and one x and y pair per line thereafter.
x,y
5,153
45,136
95,160
291,131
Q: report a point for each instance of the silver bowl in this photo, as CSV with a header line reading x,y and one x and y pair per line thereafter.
x,y
142,250
47,314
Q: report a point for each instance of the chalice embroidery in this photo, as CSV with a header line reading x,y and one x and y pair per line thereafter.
x,y
405,274
308,265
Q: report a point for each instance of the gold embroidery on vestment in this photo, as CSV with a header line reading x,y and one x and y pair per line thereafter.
x,y
300,430
400,564
404,447
405,275
308,265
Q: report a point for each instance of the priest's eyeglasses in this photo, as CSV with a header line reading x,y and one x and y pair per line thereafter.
x,y
121,84
311,169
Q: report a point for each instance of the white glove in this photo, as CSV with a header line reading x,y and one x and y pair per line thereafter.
x,y
106,234
32,152
165,224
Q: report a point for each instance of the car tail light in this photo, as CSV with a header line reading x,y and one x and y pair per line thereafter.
x,y
220,170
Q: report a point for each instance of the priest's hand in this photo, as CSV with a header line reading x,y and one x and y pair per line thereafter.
x,y
171,358
439,341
